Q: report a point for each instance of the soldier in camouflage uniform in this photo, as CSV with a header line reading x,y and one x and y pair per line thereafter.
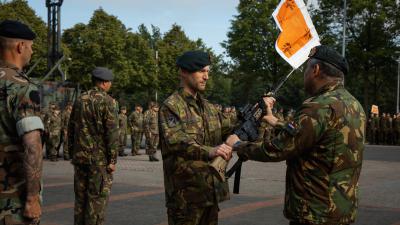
x,y
151,127
53,125
136,122
20,129
93,140
323,146
123,126
396,128
375,129
191,135
383,129
145,121
65,120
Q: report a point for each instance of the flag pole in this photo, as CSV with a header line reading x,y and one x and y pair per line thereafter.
x,y
282,82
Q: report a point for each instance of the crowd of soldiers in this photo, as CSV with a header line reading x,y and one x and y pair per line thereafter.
x,y
140,124
384,129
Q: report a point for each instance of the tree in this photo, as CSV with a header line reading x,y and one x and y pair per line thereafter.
x,y
373,31
251,46
20,10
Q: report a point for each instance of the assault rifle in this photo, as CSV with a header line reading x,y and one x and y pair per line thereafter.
x,y
250,117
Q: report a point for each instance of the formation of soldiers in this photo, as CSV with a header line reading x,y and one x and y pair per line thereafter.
x,y
384,129
140,124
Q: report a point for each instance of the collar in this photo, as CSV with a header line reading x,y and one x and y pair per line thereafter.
x,y
189,97
9,65
330,87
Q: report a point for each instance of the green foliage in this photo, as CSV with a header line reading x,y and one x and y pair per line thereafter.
x,y
251,45
20,10
373,29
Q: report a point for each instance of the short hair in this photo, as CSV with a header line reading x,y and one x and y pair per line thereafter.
x,y
327,68
6,43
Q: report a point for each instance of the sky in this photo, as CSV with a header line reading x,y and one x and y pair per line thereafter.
x,y
206,19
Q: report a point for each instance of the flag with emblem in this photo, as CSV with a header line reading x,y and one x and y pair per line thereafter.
x,y
298,35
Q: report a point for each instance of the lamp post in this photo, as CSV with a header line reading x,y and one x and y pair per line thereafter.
x,y
398,84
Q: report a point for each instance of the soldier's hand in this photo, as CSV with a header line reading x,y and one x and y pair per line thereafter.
x,y
32,208
111,168
270,118
232,139
223,150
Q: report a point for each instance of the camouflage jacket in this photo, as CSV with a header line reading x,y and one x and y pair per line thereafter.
x,y
123,123
189,129
151,122
93,129
53,124
65,119
136,121
323,148
19,114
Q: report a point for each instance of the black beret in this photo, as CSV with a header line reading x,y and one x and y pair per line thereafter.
x,y
102,73
16,29
193,61
329,55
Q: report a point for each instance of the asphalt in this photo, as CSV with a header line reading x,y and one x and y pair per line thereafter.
x,y
138,195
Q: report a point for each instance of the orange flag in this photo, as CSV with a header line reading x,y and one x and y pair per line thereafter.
x,y
298,35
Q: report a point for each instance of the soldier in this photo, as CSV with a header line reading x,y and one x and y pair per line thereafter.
x,y
375,129
383,130
191,135
65,120
369,128
20,129
151,126
323,146
123,126
397,129
233,115
145,121
136,122
53,124
93,144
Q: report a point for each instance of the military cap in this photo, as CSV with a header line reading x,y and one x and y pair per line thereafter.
x,y
329,55
16,29
102,73
193,61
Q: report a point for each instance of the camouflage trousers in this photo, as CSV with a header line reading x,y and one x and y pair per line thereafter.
x,y
193,215
92,186
52,145
65,145
122,142
153,143
136,138
12,188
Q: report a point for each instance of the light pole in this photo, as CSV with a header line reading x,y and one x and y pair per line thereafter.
x,y
398,84
344,29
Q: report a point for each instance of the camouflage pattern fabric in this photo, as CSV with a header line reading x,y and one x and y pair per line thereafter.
x,y
396,128
146,131
53,124
136,123
92,185
189,128
323,148
93,141
151,126
65,120
19,103
375,129
123,126
193,215
384,129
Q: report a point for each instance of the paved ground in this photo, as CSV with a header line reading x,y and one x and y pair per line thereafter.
x,y
138,195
